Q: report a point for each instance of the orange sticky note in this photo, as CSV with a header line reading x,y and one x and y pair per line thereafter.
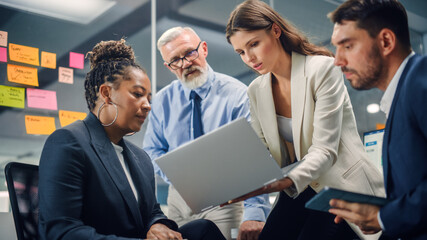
x,y
67,117
3,38
39,125
65,75
48,60
24,54
22,75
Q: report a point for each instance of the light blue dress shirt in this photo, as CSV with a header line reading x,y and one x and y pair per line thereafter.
x,y
224,99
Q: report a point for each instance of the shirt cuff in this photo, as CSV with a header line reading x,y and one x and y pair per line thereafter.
x,y
291,191
257,208
253,214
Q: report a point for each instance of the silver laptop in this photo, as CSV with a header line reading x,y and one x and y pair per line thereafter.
x,y
219,166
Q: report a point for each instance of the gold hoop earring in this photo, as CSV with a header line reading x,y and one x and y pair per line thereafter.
x,y
130,134
115,118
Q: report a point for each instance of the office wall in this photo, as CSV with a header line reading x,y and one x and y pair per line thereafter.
x,y
131,19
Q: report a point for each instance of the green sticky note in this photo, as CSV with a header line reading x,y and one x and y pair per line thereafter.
x,y
12,96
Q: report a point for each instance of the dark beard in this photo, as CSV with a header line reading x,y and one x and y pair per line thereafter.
x,y
373,72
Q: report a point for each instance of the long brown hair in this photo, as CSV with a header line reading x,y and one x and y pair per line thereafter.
x,y
254,15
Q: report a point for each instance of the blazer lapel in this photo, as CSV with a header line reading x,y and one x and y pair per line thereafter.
x,y
108,158
298,90
268,118
389,124
139,179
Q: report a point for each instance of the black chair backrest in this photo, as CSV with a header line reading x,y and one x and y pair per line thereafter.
x,y
22,184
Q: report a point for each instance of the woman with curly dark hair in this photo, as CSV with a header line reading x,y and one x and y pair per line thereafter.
x,y
93,183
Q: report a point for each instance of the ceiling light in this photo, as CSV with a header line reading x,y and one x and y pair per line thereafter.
x,y
79,11
373,108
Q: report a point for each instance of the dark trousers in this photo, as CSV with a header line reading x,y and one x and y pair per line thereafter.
x,y
289,219
201,229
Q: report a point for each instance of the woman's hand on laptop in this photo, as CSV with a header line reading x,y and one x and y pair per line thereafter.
x,y
276,186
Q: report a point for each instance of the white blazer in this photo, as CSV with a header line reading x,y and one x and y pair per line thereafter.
x,y
323,127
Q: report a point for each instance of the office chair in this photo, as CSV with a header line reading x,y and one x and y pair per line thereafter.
x,y
22,185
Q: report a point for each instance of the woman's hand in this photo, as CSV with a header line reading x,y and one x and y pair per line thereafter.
x,y
162,232
276,186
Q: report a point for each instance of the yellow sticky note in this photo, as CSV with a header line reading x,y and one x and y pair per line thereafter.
x,y
22,75
39,125
48,60
67,117
24,54
12,96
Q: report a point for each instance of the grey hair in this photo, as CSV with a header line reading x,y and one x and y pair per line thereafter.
x,y
171,34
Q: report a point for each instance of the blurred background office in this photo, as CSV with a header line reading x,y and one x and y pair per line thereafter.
x,y
58,27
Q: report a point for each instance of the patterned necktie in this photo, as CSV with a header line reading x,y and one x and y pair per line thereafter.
x,y
197,115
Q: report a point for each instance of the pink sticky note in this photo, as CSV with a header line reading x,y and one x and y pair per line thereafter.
x,y
65,75
44,99
76,60
3,54
3,38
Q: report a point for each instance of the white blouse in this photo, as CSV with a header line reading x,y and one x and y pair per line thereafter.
x,y
285,128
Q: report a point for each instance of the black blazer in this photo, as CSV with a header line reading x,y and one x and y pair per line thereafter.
x,y
405,155
84,192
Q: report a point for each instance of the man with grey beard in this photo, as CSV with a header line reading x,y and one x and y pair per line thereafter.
x,y
218,99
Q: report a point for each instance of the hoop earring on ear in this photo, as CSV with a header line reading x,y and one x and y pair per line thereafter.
x,y
130,134
115,118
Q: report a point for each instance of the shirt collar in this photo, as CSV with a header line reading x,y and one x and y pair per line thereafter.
x,y
388,96
203,90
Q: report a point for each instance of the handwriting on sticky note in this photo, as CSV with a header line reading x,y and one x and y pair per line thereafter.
x,y
76,60
48,60
65,75
3,38
39,125
3,54
22,75
24,54
44,99
68,117
12,96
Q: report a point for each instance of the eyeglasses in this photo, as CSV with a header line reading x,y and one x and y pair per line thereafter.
x,y
189,57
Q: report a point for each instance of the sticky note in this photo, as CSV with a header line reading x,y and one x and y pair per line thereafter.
x,y
76,60
44,99
67,117
65,75
39,125
3,54
24,54
3,38
48,60
12,96
22,75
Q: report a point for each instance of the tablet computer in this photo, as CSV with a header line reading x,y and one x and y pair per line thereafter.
x,y
321,200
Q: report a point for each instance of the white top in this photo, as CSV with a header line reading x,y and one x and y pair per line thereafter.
x,y
388,96
119,151
285,128
387,100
